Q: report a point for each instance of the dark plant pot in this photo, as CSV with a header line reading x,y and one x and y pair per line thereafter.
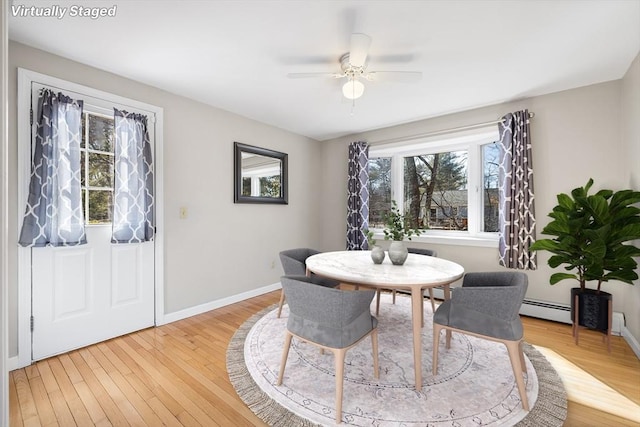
x,y
593,308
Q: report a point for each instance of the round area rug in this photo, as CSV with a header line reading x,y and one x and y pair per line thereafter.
x,y
474,385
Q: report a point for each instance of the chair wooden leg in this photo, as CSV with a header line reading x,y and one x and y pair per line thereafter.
x,y
436,343
513,348
433,304
374,347
523,364
377,302
339,362
393,295
281,303
285,354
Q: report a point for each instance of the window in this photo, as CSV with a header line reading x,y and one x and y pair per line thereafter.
x,y
447,187
379,190
435,181
490,164
96,167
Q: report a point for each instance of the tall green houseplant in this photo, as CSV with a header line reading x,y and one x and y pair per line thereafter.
x,y
590,232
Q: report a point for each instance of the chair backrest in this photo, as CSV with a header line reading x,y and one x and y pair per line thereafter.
x,y
293,260
486,304
511,286
495,278
327,316
428,252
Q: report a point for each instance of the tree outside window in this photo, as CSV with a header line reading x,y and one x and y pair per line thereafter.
x,y
379,190
436,182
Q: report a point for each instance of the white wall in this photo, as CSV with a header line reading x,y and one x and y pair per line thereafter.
x,y
631,141
575,135
221,249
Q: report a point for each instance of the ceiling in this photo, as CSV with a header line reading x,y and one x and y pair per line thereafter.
x,y
235,55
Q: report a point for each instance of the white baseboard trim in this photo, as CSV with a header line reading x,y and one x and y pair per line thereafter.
x,y
13,363
212,305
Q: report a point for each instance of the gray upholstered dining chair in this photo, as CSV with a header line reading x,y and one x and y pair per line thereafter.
x,y
487,306
293,264
332,319
427,252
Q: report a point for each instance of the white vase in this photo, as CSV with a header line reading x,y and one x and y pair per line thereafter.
x,y
377,255
398,252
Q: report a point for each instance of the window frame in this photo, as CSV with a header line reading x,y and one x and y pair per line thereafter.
x,y
470,141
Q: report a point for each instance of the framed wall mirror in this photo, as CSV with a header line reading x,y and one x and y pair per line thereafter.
x,y
260,175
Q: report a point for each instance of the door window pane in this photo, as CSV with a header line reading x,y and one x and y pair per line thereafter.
x,y
100,206
100,170
83,178
101,134
96,159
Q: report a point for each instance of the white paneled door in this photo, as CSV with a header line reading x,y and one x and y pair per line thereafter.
x,y
90,293
80,295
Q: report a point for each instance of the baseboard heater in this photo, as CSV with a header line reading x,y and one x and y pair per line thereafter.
x,y
551,311
562,313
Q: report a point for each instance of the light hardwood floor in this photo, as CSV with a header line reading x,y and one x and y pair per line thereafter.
x,y
176,375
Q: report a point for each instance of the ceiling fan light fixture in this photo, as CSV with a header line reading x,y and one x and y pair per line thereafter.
x,y
353,89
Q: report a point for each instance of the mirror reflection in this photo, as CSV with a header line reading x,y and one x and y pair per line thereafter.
x,y
260,176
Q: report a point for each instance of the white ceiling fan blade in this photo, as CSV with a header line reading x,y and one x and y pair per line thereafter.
x,y
360,44
306,75
396,76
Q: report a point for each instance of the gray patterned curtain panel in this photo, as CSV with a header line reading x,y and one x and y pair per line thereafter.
x,y
358,196
517,213
133,201
53,216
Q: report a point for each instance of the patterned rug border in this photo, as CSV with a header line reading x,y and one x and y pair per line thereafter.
x,y
549,410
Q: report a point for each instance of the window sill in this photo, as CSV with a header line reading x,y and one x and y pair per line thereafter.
x,y
485,240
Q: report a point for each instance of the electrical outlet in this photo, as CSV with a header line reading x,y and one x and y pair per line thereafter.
x,y
273,264
183,212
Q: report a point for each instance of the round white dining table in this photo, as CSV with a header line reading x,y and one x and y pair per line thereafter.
x,y
419,272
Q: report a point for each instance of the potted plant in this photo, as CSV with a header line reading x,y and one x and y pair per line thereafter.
x,y
377,253
590,234
397,229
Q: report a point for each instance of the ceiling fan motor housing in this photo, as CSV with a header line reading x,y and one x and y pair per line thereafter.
x,y
350,71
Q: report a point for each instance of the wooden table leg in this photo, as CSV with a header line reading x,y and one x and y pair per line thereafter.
x,y
416,316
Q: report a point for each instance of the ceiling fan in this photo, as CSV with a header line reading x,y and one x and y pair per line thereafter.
x,y
353,65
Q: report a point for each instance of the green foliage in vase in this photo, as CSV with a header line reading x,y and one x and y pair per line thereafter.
x,y
370,240
396,225
590,235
